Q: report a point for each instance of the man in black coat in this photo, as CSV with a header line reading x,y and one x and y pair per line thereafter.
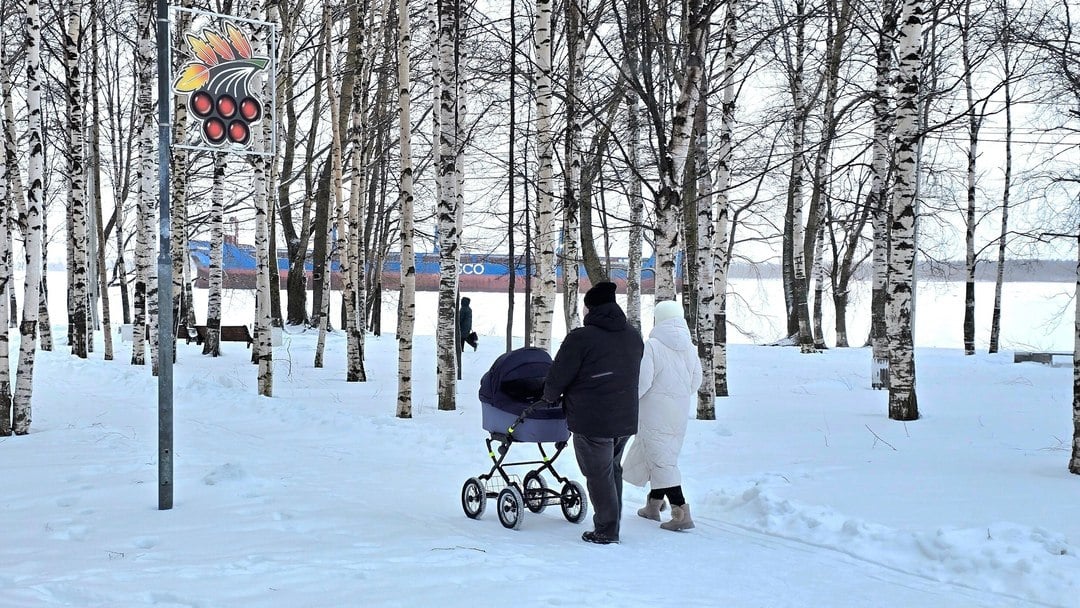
x,y
596,374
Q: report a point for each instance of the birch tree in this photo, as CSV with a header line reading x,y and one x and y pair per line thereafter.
x,y
95,185
878,196
178,246
144,178
445,332
797,290
571,255
5,284
1008,67
215,270
24,380
902,396
323,303
407,302
79,299
722,252
704,248
974,125
632,52
262,350
543,299
673,156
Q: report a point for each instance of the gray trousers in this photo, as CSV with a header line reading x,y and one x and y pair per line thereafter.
x,y
600,461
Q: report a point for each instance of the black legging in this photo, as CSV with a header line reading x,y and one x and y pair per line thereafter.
x,y
674,495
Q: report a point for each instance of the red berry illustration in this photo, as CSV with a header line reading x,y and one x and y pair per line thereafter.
x,y
238,132
226,106
202,104
214,130
217,80
250,109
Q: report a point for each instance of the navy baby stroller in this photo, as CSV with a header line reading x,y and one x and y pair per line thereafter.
x,y
513,412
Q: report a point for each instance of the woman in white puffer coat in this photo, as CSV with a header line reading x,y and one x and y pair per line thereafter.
x,y
669,380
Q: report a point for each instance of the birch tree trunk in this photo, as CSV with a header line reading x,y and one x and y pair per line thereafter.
x,y
800,285
973,126
722,254
445,332
1074,460
878,197
999,278
668,204
634,193
352,252
24,380
571,254
262,350
543,300
407,302
704,292
144,179
5,285
78,315
17,193
323,303
903,404
95,190
178,246
212,345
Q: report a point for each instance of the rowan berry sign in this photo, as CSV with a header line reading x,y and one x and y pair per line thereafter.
x,y
219,85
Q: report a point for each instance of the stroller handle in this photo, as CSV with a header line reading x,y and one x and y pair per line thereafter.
x,y
540,404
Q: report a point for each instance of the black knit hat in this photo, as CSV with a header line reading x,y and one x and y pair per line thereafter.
x,y
601,293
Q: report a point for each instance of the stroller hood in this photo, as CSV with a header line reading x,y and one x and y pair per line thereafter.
x,y
516,379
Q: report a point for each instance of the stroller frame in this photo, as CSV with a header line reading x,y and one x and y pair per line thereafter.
x,y
513,494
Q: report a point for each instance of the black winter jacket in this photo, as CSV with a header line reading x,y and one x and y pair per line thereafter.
x,y
596,374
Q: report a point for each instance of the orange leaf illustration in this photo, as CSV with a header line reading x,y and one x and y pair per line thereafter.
x,y
239,41
219,45
202,50
192,78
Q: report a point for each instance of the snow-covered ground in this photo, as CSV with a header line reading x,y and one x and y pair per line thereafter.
x,y
803,491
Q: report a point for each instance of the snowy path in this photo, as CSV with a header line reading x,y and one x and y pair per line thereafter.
x,y
320,497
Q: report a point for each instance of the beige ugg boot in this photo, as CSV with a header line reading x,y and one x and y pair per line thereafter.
x,y
680,519
652,508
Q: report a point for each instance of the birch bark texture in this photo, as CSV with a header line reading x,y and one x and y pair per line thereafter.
x,y
24,379
1074,459
446,328
903,404
406,225
5,284
144,177
878,198
215,271
79,301
543,300
261,351
722,253
571,251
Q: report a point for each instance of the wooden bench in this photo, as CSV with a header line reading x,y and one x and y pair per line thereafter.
x,y
236,333
1044,357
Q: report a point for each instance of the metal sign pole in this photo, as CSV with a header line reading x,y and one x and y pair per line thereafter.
x,y
166,337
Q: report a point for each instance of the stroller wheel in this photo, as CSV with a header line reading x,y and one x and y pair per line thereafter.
x,y
511,507
574,505
535,492
473,498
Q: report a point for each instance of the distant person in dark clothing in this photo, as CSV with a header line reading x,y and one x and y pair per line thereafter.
x,y
465,332
595,373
